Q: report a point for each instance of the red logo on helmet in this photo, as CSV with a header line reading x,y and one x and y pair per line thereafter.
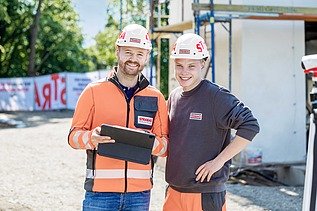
x,y
147,36
200,46
122,35
174,46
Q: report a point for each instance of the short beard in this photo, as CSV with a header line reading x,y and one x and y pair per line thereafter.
x,y
126,71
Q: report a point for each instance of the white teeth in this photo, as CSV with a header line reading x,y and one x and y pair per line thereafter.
x,y
132,65
185,78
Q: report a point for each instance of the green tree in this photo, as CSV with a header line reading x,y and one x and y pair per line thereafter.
x,y
137,11
164,67
15,20
133,11
58,44
104,49
60,40
33,37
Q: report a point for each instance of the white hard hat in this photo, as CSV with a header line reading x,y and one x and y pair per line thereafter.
x,y
134,35
190,46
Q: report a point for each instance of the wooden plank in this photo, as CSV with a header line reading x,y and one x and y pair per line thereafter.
x,y
245,12
174,28
310,18
255,9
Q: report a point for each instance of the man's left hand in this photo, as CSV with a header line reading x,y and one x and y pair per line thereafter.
x,y
207,170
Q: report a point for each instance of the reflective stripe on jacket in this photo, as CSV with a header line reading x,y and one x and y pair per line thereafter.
x,y
104,102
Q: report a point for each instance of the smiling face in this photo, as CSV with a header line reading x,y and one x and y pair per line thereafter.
x,y
131,60
188,72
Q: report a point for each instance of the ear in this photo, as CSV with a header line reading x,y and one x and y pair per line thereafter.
x,y
148,56
117,51
203,62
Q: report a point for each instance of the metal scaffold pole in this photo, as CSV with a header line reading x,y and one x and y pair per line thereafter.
x,y
230,51
152,40
212,42
197,19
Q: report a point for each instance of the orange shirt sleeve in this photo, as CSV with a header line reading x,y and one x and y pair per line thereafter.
x,y
80,134
160,129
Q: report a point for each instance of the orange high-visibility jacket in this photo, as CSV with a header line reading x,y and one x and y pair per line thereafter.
x,y
104,102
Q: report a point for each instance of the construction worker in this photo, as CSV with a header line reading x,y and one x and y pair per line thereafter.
x,y
201,116
126,99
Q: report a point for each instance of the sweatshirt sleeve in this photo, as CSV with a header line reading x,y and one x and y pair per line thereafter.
x,y
231,113
160,129
80,133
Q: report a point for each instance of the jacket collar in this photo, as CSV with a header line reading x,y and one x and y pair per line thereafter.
x,y
142,81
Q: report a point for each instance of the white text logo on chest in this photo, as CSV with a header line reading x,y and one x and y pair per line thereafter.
x,y
145,120
196,116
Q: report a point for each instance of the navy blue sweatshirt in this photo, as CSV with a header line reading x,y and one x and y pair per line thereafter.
x,y
200,124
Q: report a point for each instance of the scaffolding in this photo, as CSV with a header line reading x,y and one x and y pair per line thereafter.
x,y
225,13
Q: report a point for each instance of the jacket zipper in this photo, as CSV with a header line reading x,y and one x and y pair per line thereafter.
x,y
126,162
127,125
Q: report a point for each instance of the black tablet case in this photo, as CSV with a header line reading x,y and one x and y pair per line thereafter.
x,y
131,145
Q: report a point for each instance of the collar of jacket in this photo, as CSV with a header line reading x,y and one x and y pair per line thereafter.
x,y
142,81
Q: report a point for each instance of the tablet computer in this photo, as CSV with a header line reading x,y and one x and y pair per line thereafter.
x,y
130,144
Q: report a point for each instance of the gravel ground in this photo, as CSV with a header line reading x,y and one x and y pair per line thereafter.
x,y
39,171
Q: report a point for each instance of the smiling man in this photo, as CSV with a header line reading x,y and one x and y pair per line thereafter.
x,y
125,99
201,116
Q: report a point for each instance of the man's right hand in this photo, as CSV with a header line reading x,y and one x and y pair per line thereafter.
x,y
96,138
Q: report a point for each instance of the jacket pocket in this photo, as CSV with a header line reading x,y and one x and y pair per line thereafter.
x,y
145,109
